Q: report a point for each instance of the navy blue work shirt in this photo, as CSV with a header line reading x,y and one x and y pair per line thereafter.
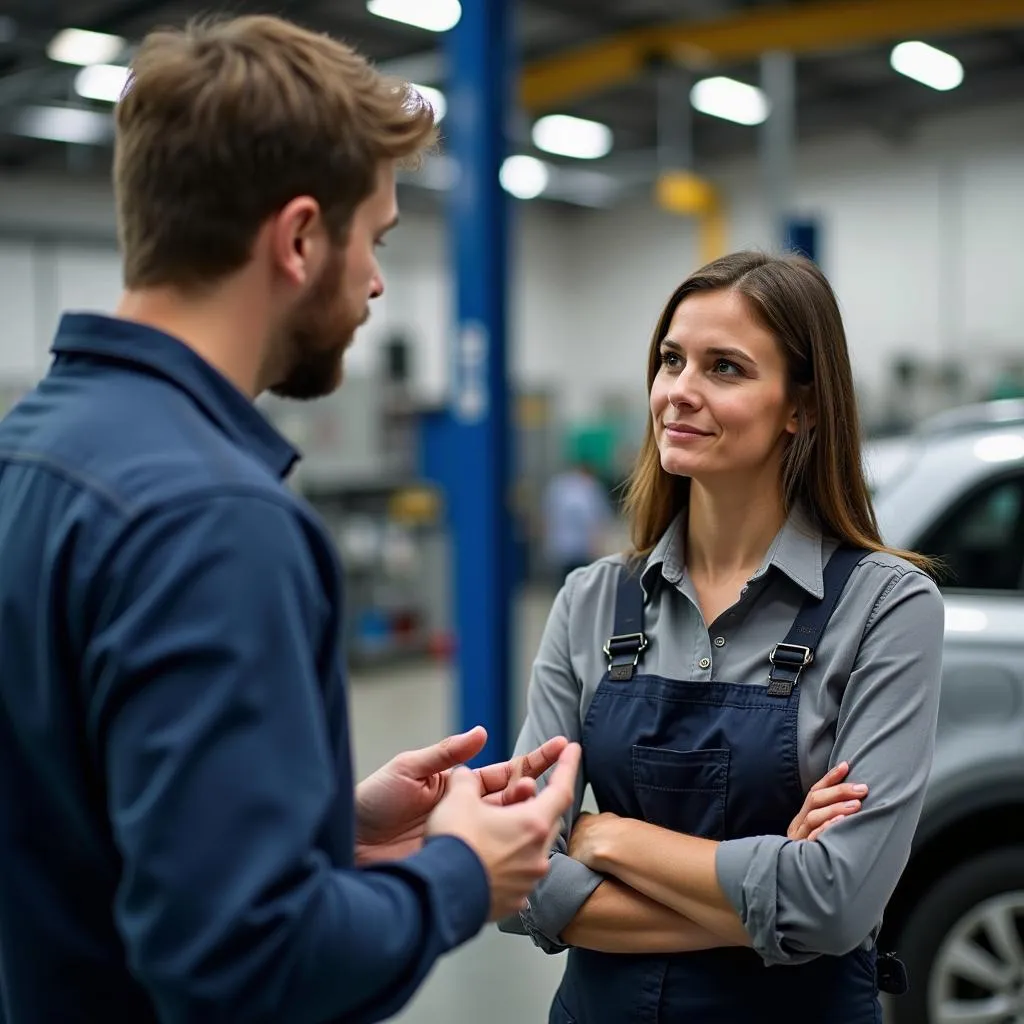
x,y
177,825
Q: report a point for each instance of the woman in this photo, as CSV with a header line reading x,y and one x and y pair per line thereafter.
x,y
760,633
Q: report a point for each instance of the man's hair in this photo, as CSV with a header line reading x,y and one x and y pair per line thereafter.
x,y
226,121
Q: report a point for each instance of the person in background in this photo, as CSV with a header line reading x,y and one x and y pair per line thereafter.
x,y
577,517
758,637
180,840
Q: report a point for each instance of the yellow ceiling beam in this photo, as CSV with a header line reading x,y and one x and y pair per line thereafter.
x,y
800,29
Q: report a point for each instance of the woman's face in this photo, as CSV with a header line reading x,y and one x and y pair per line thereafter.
x,y
720,401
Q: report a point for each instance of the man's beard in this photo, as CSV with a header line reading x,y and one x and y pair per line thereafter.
x,y
320,331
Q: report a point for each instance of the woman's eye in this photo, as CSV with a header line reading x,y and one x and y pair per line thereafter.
x,y
723,366
669,359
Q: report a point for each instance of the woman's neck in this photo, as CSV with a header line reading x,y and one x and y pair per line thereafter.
x,y
730,529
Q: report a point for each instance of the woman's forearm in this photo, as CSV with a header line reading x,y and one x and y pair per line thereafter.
x,y
677,871
618,919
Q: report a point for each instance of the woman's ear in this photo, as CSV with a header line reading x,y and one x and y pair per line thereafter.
x,y
803,411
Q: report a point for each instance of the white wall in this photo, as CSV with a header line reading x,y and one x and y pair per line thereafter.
x,y
58,251
922,241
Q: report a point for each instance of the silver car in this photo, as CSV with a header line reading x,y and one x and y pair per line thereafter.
x,y
955,489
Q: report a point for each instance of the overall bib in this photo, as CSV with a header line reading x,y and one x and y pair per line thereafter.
x,y
717,760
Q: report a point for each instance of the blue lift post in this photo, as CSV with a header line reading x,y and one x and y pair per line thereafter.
x,y
475,446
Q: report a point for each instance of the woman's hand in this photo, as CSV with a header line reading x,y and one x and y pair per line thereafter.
x,y
587,836
829,801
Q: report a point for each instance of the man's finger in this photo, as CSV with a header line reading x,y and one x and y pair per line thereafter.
x,y
439,757
520,790
560,791
537,762
495,777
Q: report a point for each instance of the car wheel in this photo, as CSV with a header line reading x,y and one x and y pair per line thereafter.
x,y
963,945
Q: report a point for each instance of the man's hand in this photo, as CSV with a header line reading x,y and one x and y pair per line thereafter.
x,y
512,842
394,803
828,802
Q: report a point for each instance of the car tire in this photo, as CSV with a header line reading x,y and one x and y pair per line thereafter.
x,y
954,913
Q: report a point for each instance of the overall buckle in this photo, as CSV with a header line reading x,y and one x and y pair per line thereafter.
x,y
792,659
627,645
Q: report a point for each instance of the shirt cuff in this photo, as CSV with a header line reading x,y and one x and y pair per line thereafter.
x,y
748,874
557,899
460,890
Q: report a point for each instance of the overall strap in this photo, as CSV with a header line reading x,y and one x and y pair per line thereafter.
x,y
627,641
796,652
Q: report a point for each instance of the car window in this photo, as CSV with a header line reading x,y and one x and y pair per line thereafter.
x,y
981,540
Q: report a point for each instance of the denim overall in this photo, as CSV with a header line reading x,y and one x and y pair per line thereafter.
x,y
717,760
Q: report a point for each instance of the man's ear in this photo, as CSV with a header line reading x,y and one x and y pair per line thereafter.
x,y
296,233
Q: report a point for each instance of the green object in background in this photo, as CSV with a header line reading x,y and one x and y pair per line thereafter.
x,y
594,445
1007,386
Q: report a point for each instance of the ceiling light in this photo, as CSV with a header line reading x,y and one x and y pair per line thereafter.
x,y
77,46
8,28
435,98
572,136
64,124
433,15
524,177
927,65
730,100
102,82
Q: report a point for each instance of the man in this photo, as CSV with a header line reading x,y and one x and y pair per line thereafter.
x,y
178,835
577,517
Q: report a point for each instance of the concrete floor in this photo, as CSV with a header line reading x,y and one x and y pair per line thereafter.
x,y
499,978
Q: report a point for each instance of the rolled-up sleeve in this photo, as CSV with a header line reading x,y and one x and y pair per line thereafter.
x,y
553,709
800,899
207,720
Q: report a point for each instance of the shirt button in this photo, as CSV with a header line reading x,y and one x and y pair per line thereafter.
x,y
719,641
705,663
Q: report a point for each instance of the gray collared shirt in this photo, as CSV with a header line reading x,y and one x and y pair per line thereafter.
x,y
871,698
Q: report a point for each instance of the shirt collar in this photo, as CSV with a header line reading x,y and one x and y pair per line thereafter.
x,y
150,350
795,551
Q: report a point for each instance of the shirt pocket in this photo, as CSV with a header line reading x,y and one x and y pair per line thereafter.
x,y
684,790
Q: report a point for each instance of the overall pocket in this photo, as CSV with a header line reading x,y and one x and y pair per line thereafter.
x,y
684,790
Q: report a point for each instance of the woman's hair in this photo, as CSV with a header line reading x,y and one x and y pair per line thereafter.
x,y
821,468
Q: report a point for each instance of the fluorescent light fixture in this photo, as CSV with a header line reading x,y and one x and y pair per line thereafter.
x,y
435,98
64,124
102,82
77,46
433,15
966,620
1000,448
524,177
731,100
572,136
927,65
